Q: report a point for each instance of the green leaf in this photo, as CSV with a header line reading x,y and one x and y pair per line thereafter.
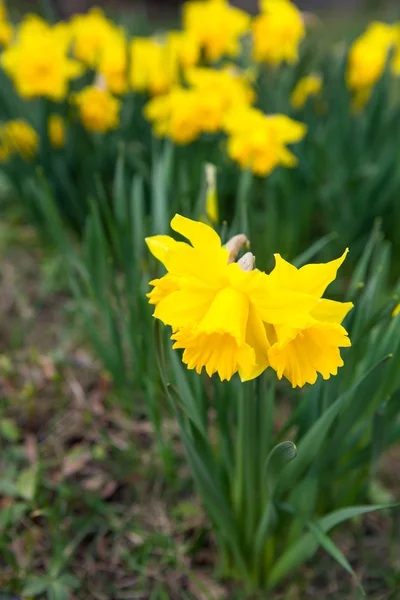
x,y
277,459
307,545
58,591
9,430
329,546
12,514
27,483
35,586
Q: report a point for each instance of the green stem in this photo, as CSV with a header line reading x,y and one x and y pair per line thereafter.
x,y
242,201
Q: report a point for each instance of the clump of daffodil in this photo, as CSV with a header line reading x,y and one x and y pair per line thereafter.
x,y
90,32
229,317
307,87
216,25
56,131
98,109
277,32
6,29
17,137
259,142
367,59
186,112
37,61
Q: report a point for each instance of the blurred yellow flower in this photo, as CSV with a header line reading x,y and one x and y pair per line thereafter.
x,y
56,131
396,310
113,62
216,25
90,32
184,113
217,310
300,353
174,115
258,141
184,47
98,109
308,86
154,67
277,32
367,60
6,29
18,137
37,61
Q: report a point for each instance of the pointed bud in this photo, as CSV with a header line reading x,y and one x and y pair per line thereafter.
x,y
247,261
235,244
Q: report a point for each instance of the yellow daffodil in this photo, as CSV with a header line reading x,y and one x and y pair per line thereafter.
x,y
216,25
154,67
184,113
37,61
113,62
277,32
90,33
229,317
56,131
18,137
367,60
184,47
300,353
307,87
98,109
258,141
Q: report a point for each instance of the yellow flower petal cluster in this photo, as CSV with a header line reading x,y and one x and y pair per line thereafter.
x,y
90,33
113,62
37,61
56,131
367,60
216,25
308,86
259,142
98,109
229,320
18,137
277,32
6,29
184,113
157,63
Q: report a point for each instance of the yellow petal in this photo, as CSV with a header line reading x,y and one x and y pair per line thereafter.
x,y
257,339
330,311
228,313
163,287
160,246
199,234
184,307
313,350
314,279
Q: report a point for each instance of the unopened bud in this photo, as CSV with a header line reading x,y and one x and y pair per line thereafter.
x,y
235,244
100,82
246,263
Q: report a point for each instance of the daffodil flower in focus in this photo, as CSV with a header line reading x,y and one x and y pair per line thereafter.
x,y
227,316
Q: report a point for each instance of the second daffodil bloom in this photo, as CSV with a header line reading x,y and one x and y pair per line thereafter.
x,y
277,32
258,141
98,109
216,25
229,317
308,86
